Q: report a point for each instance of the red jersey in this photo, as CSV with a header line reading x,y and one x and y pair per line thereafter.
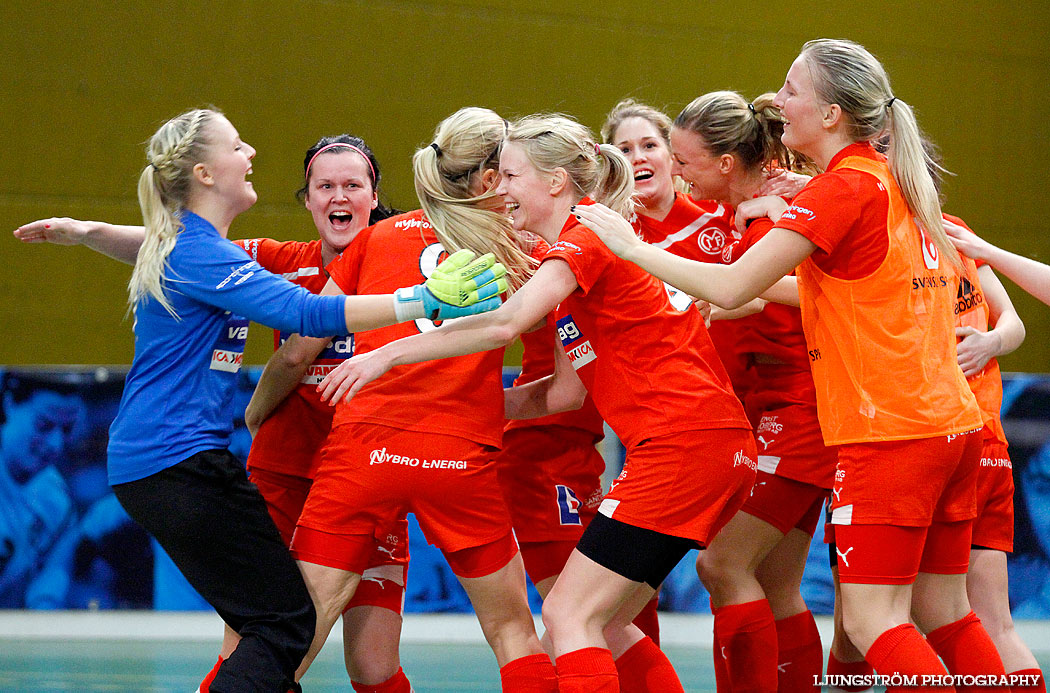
x,y
537,361
289,440
460,396
700,231
651,368
777,330
695,230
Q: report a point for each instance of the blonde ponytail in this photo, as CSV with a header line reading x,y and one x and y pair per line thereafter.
x,y
162,190
728,124
466,144
601,172
845,73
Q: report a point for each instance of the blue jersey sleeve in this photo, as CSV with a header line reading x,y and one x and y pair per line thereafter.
x,y
214,271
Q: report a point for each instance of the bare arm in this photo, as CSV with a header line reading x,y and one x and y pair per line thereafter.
x,y
282,373
977,348
752,307
118,242
284,370
1031,275
551,284
561,391
730,286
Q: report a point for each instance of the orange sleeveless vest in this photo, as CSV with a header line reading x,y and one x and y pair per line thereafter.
x,y
882,348
972,310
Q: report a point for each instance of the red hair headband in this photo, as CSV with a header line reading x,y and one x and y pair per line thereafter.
x,y
340,144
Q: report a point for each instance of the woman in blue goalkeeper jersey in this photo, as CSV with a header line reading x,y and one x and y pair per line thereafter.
x,y
193,292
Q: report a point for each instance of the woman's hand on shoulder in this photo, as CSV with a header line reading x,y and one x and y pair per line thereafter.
x,y
613,230
784,183
967,242
772,206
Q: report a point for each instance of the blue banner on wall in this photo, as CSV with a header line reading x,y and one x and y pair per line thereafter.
x,y
65,542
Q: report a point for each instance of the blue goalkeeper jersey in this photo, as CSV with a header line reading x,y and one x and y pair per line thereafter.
x,y
178,393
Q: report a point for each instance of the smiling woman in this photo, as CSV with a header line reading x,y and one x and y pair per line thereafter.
x,y
169,462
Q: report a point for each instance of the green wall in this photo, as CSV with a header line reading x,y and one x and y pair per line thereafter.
x,y
83,85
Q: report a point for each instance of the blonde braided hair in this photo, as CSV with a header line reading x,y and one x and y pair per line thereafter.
x,y
163,187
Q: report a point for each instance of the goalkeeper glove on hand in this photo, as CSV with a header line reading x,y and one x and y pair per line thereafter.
x,y
461,286
461,280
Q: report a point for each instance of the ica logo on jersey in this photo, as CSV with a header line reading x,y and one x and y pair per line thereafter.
x,y
579,350
228,352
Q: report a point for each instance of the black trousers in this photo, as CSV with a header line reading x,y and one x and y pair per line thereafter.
x,y
213,523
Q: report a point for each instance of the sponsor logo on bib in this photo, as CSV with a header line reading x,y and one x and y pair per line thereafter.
x,y
578,349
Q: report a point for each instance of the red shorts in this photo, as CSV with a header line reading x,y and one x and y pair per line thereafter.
x,y
907,483
372,476
994,527
686,484
383,581
544,559
791,445
785,503
285,496
892,555
290,440
551,481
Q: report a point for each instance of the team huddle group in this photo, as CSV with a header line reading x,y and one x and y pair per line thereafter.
x,y
762,299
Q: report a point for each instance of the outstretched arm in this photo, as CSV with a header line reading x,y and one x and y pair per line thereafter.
x,y
729,286
118,242
1031,275
551,284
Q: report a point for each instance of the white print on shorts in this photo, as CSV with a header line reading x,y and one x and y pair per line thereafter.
x,y
381,456
741,458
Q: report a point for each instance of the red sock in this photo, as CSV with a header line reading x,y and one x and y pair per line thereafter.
x,y
206,683
903,650
644,668
1038,687
837,667
800,658
589,670
529,674
648,621
748,641
398,683
966,649
721,673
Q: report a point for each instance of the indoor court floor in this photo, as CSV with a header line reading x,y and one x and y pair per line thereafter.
x,y
152,653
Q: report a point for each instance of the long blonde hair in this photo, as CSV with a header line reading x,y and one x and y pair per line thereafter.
x,y
845,73
729,124
599,171
465,145
163,187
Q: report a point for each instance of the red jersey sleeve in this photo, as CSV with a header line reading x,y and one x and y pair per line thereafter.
x,y
587,256
844,213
